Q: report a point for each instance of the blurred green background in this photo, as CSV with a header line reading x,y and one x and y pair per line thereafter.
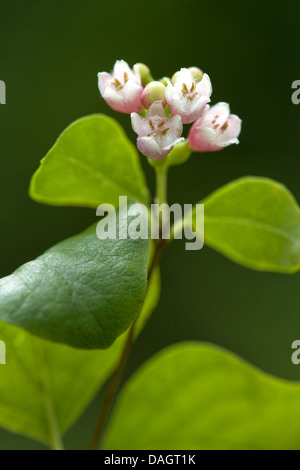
x,y
50,54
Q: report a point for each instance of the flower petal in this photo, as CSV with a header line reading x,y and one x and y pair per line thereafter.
x,y
104,80
176,124
204,87
132,93
138,124
149,147
230,134
216,115
168,148
156,109
184,76
202,139
120,68
137,74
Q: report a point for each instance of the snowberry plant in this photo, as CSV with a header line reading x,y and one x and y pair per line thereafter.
x,y
69,318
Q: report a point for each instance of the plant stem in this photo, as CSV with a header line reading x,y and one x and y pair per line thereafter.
x,y
111,391
161,185
115,379
113,385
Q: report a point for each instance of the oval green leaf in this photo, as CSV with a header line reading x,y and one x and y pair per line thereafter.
x,y
256,223
197,396
46,386
83,292
91,163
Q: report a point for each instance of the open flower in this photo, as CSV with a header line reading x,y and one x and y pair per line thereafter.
x,y
188,96
157,134
123,88
216,129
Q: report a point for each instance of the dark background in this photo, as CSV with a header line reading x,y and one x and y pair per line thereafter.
x,y
50,54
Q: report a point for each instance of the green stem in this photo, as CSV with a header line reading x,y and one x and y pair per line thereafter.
x,y
161,185
114,382
111,391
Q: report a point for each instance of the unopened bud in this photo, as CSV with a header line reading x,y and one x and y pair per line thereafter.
x,y
173,79
145,74
164,80
179,154
197,73
154,91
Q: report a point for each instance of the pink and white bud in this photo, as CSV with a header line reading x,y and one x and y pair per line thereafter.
x,y
154,91
188,96
157,134
122,89
216,129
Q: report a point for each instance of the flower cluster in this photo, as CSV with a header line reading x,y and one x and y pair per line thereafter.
x,y
160,108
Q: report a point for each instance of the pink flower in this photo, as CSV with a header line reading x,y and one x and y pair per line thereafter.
x,y
123,88
216,129
157,134
188,97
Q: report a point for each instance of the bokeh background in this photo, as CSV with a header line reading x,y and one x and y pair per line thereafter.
x,y
50,54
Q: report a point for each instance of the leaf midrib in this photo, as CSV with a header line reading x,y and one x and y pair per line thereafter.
x,y
46,392
256,224
100,176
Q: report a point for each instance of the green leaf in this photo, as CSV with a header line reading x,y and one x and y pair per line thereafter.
x,y
83,292
256,223
197,396
45,386
91,163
